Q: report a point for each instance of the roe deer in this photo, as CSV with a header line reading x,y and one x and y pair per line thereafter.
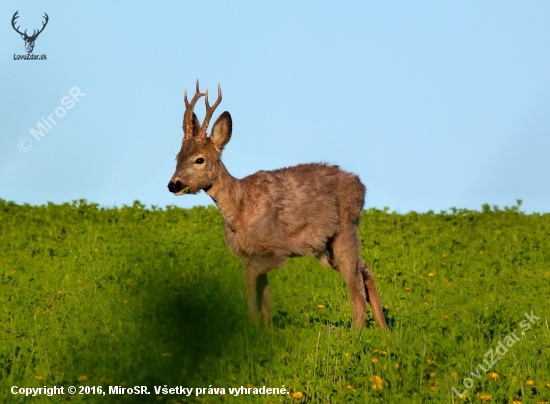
x,y
269,216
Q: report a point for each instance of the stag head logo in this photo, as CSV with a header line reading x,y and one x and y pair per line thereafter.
x,y
29,40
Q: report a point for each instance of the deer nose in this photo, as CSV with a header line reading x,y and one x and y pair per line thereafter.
x,y
175,186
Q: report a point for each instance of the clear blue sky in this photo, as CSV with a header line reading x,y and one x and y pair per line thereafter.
x,y
434,104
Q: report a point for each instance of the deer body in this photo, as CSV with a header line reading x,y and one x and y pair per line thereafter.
x,y
269,216
283,213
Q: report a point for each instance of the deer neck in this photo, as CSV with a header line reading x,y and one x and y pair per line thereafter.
x,y
227,193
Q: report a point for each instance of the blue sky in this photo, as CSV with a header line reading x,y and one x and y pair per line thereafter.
x,y
434,104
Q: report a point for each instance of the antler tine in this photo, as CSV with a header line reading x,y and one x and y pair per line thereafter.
x,y
189,106
209,111
13,21
43,24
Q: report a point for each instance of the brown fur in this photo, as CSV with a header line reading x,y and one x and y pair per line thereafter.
x,y
269,216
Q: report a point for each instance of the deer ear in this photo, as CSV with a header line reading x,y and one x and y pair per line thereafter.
x,y
221,131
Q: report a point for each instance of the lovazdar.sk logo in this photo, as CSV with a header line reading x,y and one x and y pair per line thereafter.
x,y
29,39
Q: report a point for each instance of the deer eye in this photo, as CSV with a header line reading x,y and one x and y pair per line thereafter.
x,y
200,160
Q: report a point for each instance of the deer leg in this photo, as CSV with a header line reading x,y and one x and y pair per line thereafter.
x,y
372,293
346,249
262,291
259,302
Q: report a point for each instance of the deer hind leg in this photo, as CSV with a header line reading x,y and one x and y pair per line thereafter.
x,y
259,302
372,293
345,250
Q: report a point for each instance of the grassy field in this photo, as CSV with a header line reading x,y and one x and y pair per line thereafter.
x,y
94,298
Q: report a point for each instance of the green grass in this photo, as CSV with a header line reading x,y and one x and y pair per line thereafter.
x,y
129,296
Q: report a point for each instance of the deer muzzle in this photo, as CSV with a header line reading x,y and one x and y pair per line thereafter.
x,y
177,187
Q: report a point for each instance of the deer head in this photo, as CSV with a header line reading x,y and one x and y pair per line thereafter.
x,y
198,162
29,40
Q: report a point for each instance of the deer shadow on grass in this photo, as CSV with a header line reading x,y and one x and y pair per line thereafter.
x,y
194,328
192,331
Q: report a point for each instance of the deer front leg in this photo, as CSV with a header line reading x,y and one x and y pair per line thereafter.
x,y
259,302
372,293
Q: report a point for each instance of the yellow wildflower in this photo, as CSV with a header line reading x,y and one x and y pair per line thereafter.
x,y
407,288
378,383
82,378
432,375
530,383
320,306
374,361
430,275
454,375
430,362
493,375
297,395
377,380
485,397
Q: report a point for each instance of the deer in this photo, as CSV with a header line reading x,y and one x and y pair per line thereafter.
x,y
29,40
270,216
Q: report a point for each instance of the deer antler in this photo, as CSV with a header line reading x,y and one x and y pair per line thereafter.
x,y
43,26
34,33
209,111
189,106
15,17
